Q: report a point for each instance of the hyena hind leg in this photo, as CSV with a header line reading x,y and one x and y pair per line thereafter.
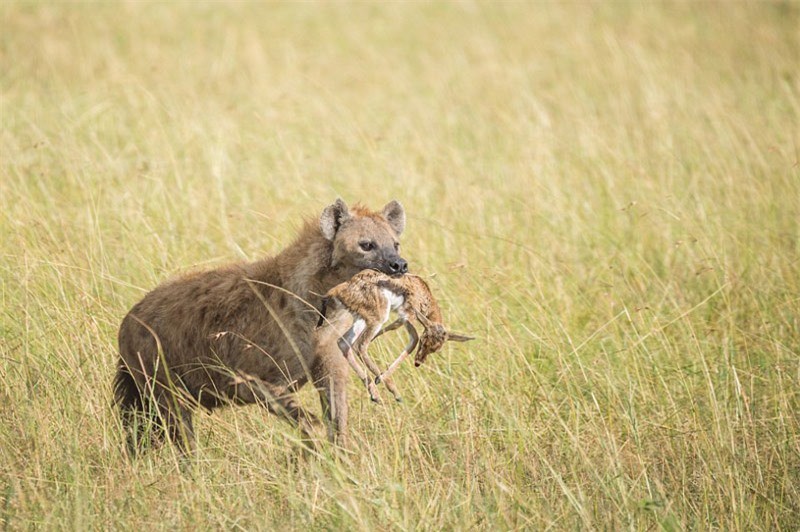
x,y
176,420
138,414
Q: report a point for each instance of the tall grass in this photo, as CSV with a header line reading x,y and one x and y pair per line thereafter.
x,y
608,195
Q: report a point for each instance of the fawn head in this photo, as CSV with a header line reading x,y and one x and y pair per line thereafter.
x,y
432,340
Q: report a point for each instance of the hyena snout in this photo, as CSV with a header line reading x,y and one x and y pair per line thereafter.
x,y
396,265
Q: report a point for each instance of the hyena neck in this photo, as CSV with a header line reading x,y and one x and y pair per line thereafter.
x,y
304,268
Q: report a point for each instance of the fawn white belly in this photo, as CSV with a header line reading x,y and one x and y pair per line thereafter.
x,y
358,327
393,302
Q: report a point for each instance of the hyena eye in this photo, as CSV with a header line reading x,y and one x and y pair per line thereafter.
x,y
397,246
367,246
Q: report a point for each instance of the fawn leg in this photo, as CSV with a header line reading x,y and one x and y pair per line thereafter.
x,y
392,326
412,344
346,346
389,382
363,352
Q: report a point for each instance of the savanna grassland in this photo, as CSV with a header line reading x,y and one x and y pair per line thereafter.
x,y
606,194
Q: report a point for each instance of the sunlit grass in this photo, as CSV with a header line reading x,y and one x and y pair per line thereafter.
x,y
607,196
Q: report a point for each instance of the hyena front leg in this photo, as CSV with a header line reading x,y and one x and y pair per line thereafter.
x,y
249,389
331,374
332,387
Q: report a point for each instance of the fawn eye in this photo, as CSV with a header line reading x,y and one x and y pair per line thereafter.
x,y
366,246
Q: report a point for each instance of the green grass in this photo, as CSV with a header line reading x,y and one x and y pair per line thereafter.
x,y
607,194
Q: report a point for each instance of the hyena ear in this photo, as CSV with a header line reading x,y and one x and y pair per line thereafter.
x,y
333,217
394,213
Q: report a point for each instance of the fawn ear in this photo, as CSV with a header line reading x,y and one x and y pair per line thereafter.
x,y
455,337
394,213
332,218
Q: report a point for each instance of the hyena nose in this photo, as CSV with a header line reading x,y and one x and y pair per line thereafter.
x,y
399,266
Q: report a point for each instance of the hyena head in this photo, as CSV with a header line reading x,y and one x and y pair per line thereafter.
x,y
364,239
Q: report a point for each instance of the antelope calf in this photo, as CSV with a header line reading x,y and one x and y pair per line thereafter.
x,y
370,297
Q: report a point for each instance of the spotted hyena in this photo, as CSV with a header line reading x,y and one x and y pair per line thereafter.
x,y
245,333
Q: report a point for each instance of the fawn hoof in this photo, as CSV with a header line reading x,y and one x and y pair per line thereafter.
x,y
398,399
378,379
376,400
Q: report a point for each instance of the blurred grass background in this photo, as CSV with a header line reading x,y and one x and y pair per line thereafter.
x,y
608,195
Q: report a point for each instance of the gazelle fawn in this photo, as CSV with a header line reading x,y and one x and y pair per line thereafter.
x,y
370,297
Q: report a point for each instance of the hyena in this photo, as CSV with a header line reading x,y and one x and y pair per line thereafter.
x,y
245,333
369,297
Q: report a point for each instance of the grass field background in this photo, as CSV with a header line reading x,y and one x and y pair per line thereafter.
x,y
606,194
